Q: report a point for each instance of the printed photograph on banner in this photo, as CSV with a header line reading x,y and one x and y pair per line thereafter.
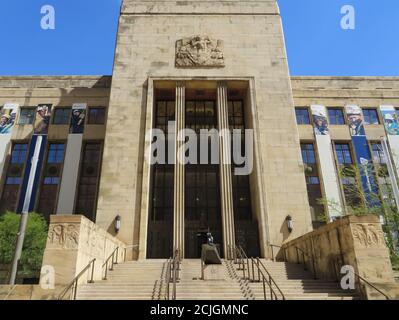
x,y
320,121
390,120
7,117
356,121
78,118
43,115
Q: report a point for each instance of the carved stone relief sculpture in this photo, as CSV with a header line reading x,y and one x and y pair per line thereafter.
x,y
199,51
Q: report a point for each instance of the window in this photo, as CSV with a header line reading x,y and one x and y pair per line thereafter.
x,y
96,115
26,116
51,179
348,175
378,153
89,178
312,181
336,116
343,152
56,153
371,116
62,116
302,116
160,220
308,153
14,177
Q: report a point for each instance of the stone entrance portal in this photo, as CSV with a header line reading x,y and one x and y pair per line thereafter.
x,y
204,194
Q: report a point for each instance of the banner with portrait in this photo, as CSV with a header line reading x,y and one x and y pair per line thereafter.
x,y
7,117
327,164
355,120
390,120
320,122
78,117
42,120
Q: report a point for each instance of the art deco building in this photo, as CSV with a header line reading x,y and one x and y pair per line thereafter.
x,y
79,144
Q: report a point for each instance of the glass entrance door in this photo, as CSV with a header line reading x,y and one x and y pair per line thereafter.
x,y
202,194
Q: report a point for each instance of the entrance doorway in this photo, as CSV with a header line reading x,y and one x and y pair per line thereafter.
x,y
202,194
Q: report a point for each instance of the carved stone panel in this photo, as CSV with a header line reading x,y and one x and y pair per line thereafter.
x,y
368,235
63,235
199,51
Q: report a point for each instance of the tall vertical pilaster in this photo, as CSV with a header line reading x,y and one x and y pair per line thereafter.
x,y
178,208
226,187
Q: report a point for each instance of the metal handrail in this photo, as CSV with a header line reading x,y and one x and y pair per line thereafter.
x,y
172,275
260,264
132,246
111,257
371,285
73,285
304,253
279,247
243,261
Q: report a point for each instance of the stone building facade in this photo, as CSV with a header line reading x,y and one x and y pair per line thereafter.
x,y
204,65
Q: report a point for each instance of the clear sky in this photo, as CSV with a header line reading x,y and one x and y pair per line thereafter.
x,y
83,41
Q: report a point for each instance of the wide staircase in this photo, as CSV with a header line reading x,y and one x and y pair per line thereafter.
x,y
148,279
131,280
294,283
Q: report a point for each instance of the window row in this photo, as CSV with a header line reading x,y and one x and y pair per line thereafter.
x,y
62,115
336,115
345,160
51,173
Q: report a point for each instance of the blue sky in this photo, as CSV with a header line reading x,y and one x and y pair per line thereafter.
x,y
84,39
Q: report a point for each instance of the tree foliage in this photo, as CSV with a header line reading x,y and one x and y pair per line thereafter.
x,y
34,242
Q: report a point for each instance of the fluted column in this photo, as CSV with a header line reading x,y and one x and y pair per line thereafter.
x,y
178,208
226,187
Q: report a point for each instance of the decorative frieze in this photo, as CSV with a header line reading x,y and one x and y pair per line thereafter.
x,y
63,235
368,235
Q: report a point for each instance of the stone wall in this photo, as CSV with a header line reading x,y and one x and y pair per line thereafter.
x,y
73,241
357,241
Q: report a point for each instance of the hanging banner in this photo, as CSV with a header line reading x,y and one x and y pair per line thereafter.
x,y
70,172
78,118
356,121
391,124
8,115
31,178
363,156
37,148
327,164
7,122
320,122
42,121
390,120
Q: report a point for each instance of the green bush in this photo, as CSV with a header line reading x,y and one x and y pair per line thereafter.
x,y
34,242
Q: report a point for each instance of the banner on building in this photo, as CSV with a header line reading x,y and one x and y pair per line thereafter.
x,y
355,120
363,156
42,121
327,164
8,115
320,121
78,118
7,122
390,120
69,180
391,123
31,178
